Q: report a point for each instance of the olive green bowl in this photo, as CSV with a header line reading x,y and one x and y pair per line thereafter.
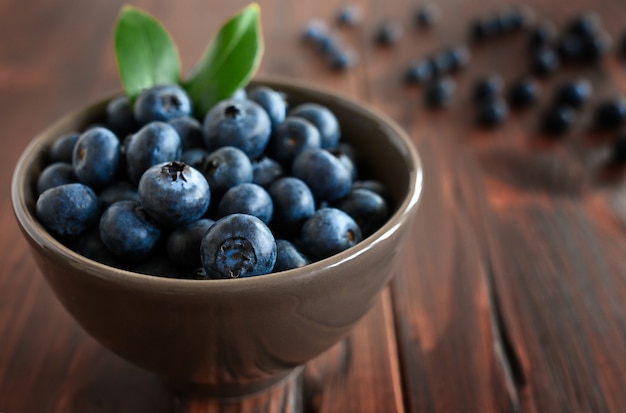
x,y
231,337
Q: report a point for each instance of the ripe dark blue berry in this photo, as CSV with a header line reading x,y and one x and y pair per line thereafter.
x,y
523,92
272,101
118,191
291,137
62,148
293,204
420,71
161,103
128,231
349,15
120,117
190,132
542,35
389,33
544,61
326,175
183,243
439,92
174,194
96,157
427,15
487,88
249,199
288,256
323,119
492,113
242,124
610,113
55,174
155,143
557,120
327,232
238,246
368,209
575,93
67,210
265,171
226,167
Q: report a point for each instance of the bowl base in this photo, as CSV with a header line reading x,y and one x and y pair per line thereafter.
x,y
232,392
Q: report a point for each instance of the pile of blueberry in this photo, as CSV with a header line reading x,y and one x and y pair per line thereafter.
x,y
254,187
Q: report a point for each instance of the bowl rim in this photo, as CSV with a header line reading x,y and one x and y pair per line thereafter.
x,y
34,230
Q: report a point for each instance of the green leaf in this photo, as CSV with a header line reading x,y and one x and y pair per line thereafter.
x,y
145,54
229,61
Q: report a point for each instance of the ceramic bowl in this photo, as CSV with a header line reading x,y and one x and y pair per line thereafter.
x,y
231,337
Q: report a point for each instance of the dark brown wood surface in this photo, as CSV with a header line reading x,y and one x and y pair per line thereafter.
x,y
512,293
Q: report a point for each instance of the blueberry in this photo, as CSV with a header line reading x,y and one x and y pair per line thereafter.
x,y
161,103
458,57
557,120
327,232
439,92
594,48
420,71
544,61
584,25
293,204
542,35
120,117
239,94
242,124
292,137
90,245
155,143
450,59
570,48
249,199
173,193
96,157
342,59
67,210
323,119
523,93
238,246
368,209
427,15
118,191
372,185
346,156
55,174
272,101
288,256
349,15
487,88
315,30
324,174
389,33
610,113
63,147
265,171
128,231
575,93
183,243
194,157
483,29
492,113
190,132
225,168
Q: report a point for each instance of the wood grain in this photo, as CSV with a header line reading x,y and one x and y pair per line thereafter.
x,y
512,293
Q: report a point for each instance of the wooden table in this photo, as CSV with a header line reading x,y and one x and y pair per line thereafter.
x,y
512,294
